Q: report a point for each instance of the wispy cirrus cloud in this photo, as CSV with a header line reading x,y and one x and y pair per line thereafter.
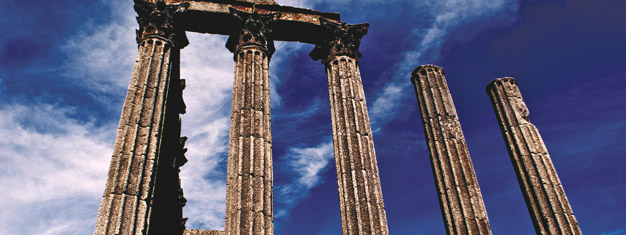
x,y
207,66
50,163
616,232
55,161
101,54
55,157
446,17
306,165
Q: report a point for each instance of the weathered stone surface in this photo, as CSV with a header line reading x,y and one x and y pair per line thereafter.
x,y
157,19
202,232
214,17
338,39
148,137
360,194
547,204
249,208
460,199
252,29
261,1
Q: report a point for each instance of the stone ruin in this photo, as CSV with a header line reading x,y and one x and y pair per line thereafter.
x,y
143,194
460,199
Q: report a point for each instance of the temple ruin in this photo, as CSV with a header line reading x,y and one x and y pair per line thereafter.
x,y
143,194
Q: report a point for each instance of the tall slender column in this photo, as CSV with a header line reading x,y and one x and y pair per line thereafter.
x,y
249,208
546,201
142,194
460,199
360,195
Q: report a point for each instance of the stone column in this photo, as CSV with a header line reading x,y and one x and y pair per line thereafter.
x,y
142,193
546,201
360,195
460,199
249,208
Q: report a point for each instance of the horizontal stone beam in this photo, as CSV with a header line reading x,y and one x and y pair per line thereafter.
x,y
213,16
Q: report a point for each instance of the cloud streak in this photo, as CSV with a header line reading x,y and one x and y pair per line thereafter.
x,y
207,66
446,17
48,170
306,164
101,55
54,160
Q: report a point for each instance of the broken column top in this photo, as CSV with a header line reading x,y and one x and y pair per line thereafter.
x,y
423,69
427,67
504,79
510,92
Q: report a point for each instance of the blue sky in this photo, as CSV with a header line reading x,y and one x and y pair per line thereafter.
x,y
65,67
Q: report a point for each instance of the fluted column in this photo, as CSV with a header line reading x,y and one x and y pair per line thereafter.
x,y
547,204
460,199
360,195
249,208
142,194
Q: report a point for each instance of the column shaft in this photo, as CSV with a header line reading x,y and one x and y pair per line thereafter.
x,y
547,204
358,180
249,185
360,194
460,199
142,193
249,191
129,190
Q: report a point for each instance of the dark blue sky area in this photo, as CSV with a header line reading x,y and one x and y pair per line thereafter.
x,y
568,58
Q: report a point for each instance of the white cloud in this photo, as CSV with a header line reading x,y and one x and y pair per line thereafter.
x,y
308,162
297,3
53,163
284,50
102,55
383,106
306,165
45,171
616,232
447,17
207,66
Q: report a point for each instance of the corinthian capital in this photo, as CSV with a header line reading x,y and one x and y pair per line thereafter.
x,y
252,29
158,20
339,39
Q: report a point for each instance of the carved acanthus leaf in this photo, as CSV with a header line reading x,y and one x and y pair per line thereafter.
x,y
158,19
252,29
339,39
